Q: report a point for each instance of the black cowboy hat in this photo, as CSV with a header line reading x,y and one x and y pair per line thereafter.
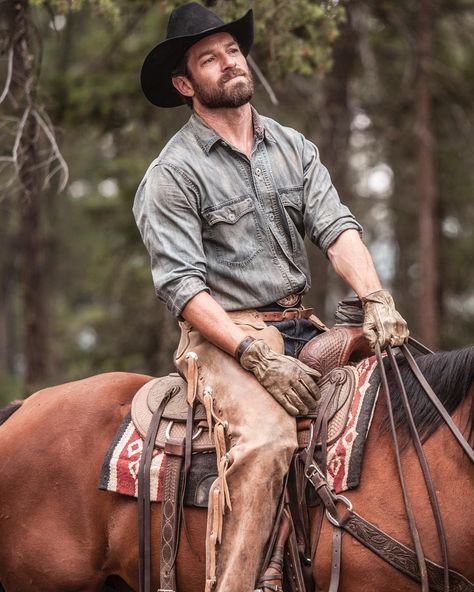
x,y
187,25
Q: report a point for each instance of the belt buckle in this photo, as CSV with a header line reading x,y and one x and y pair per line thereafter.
x,y
289,301
291,310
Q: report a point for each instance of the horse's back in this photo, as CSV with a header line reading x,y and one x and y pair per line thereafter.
x,y
91,404
51,450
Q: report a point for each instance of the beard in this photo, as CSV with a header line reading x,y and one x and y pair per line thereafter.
x,y
222,96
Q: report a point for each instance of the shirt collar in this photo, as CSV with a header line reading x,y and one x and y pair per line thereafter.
x,y
207,137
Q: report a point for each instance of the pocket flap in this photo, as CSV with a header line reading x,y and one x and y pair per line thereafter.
x,y
292,196
229,213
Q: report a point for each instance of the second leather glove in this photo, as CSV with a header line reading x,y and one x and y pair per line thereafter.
x,y
383,324
290,382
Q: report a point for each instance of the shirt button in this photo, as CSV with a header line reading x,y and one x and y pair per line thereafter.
x,y
258,172
231,217
271,217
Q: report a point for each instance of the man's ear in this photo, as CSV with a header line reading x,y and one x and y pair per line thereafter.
x,y
183,86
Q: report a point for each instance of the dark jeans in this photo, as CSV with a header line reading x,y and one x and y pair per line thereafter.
x,y
296,333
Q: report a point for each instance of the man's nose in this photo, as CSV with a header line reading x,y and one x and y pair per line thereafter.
x,y
228,61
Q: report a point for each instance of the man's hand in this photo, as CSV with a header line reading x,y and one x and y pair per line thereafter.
x,y
290,382
382,323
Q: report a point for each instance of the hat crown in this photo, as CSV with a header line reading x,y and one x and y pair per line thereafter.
x,y
191,19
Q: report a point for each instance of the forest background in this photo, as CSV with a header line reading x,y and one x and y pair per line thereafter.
x,y
384,88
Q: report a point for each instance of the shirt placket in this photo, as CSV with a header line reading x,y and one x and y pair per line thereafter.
x,y
267,194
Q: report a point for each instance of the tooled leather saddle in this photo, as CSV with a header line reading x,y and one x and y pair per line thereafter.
x,y
161,415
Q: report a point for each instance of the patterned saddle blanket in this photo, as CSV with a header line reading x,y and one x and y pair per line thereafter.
x,y
351,415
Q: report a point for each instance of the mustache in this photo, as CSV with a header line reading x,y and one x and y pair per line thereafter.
x,y
232,74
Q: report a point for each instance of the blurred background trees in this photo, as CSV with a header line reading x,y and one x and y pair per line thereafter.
x,y
383,88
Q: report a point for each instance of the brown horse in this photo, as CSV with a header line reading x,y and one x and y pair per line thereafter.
x,y
59,533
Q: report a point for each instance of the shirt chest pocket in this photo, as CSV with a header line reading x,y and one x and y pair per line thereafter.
x,y
292,200
231,233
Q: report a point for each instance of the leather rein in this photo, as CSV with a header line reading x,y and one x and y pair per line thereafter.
x,y
412,563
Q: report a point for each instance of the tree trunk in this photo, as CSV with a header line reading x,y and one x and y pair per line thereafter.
x,y
336,122
31,243
427,191
36,334
8,279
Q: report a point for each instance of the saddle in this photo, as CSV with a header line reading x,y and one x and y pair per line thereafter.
x,y
162,416
172,426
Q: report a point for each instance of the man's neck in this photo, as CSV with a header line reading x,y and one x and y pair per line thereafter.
x,y
234,125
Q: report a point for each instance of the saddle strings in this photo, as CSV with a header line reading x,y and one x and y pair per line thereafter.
x,y
220,496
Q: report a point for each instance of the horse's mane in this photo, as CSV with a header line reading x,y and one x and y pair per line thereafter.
x,y
450,375
9,410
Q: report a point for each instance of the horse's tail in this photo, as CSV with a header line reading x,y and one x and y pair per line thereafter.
x,y
7,411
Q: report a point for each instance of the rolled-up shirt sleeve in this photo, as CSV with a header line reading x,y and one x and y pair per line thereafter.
x,y
325,217
167,215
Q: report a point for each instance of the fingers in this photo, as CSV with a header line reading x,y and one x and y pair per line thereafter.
x,y
383,324
293,395
396,329
302,390
399,339
288,406
300,397
315,375
295,400
307,391
371,335
393,333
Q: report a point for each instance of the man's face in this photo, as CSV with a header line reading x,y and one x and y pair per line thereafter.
x,y
218,72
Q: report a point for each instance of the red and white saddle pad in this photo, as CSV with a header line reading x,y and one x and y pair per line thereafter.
x,y
120,468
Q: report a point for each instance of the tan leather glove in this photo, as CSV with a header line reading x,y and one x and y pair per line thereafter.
x,y
290,382
382,322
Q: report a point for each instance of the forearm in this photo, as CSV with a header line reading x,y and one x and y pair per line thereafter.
x,y
209,318
352,261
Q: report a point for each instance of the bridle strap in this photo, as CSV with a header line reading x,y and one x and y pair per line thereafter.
x,y
419,346
319,432
399,555
406,500
437,403
424,467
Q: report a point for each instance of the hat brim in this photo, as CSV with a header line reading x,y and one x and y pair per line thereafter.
x,y
155,75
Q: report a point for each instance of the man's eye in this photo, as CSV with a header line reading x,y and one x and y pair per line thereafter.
x,y
208,60
234,50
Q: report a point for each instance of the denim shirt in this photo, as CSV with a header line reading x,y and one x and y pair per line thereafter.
x,y
212,219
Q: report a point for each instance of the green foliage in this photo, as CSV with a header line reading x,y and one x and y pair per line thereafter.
x,y
294,36
109,9
291,37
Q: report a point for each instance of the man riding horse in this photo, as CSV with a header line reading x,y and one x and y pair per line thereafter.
x,y
223,211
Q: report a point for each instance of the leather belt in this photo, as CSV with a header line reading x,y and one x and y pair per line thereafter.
x,y
284,315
